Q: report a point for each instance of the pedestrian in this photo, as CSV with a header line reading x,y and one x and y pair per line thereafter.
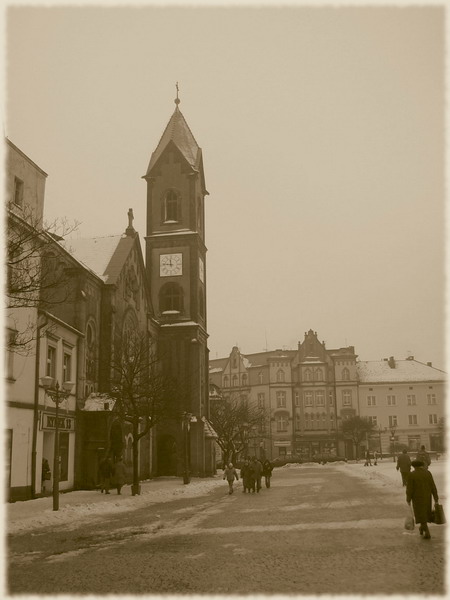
x,y
46,473
368,462
267,472
105,470
375,458
245,476
119,474
257,469
404,466
419,490
230,474
251,477
424,457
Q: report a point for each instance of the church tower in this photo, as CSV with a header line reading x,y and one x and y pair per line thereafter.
x,y
176,270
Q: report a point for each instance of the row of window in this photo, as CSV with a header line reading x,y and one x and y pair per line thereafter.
x,y
391,400
311,421
412,420
51,363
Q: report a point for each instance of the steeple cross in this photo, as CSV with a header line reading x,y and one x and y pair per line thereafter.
x,y
177,100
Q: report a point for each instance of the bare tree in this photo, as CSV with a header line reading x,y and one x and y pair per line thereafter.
x,y
35,276
234,418
356,428
145,395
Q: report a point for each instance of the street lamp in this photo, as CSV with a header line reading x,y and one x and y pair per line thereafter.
x,y
57,395
393,430
186,427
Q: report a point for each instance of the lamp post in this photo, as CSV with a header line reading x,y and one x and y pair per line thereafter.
x,y
244,436
57,395
393,430
186,427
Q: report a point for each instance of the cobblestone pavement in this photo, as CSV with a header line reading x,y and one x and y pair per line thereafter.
x,y
315,531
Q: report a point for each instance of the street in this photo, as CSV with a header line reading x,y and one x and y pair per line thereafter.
x,y
317,530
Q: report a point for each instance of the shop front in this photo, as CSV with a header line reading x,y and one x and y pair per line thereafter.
x,y
314,449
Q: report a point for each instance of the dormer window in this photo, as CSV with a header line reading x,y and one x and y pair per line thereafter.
x,y
171,207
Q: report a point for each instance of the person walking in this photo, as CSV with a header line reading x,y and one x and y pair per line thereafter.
x,y
119,475
105,471
404,466
267,472
368,462
245,476
424,457
257,469
230,474
419,490
375,458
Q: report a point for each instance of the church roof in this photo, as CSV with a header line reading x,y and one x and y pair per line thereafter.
x,y
104,256
178,132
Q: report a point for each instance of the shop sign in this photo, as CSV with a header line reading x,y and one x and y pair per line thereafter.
x,y
282,443
48,422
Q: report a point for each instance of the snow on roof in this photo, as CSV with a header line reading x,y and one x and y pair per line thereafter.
x,y
247,364
209,429
95,253
96,402
216,370
377,371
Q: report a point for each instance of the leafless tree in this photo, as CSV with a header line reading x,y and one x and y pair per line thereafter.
x,y
356,428
234,418
35,276
145,395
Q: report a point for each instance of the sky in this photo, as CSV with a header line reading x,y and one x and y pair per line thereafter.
x,y
323,138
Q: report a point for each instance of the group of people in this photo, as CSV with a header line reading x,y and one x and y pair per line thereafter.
x,y
111,475
252,472
420,487
368,462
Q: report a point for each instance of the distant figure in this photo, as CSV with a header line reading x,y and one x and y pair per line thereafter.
x,y
375,458
424,457
105,470
46,473
267,472
419,490
404,466
257,469
230,474
245,476
119,474
368,462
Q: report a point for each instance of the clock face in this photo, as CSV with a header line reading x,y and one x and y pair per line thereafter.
x,y
170,264
201,270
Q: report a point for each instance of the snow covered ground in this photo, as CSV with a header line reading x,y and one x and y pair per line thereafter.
x,y
91,505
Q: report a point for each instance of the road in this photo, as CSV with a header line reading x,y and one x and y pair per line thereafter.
x,y
317,530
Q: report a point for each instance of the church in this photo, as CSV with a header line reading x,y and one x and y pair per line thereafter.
x,y
111,287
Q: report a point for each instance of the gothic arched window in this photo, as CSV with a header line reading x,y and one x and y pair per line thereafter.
x,y
345,374
280,375
171,207
171,298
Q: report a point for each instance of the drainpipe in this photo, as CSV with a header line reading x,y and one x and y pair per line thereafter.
x,y
36,407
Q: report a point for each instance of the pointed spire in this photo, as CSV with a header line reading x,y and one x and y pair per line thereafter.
x,y
177,100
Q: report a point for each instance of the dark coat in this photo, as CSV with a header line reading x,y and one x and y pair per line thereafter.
x,y
267,469
247,476
419,489
105,468
257,468
424,457
404,463
119,473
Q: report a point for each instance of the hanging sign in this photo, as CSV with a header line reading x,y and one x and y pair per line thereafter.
x,y
65,423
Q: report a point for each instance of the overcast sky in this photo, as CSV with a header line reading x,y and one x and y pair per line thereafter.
x,y
322,132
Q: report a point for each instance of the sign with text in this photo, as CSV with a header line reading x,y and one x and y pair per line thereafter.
x,y
65,423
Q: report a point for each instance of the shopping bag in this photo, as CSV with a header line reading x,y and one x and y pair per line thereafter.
x,y
409,520
439,516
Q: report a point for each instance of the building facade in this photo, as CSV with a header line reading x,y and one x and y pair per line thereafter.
x,y
308,392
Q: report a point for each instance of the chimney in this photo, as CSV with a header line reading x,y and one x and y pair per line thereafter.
x,y
429,364
391,362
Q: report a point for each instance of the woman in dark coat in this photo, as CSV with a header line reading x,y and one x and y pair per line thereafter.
x,y
267,472
119,474
419,489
